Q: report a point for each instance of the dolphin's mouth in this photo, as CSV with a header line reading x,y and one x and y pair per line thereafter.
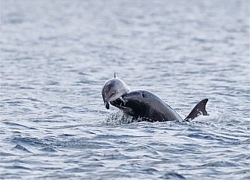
x,y
119,103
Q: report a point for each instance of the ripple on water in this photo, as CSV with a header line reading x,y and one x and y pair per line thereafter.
x,y
56,56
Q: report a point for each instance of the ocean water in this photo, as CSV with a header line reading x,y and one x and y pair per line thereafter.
x,y
56,56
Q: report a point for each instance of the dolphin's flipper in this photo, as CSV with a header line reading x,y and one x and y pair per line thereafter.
x,y
199,109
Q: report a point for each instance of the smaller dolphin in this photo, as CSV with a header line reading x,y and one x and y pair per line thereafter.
x,y
113,89
144,105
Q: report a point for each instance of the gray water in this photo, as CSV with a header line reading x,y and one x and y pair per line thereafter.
x,y
56,56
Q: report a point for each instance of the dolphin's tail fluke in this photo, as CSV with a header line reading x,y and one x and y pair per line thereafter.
x,y
199,109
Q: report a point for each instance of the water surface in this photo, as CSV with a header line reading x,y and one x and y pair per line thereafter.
x,y
56,56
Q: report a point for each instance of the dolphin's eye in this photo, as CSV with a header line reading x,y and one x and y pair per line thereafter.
x,y
113,93
143,95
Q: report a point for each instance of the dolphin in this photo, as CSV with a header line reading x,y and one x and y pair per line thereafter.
x,y
143,105
113,89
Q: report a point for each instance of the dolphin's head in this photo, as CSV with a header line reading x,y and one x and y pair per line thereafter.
x,y
112,90
134,103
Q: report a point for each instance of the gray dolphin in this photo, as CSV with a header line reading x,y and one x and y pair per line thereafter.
x,y
113,89
144,105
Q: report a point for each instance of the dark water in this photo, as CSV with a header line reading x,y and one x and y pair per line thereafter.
x,y
56,56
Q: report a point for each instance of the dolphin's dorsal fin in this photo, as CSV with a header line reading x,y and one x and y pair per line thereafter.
x,y
199,109
115,75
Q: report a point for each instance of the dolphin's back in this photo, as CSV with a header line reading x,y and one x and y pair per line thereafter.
x,y
157,109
